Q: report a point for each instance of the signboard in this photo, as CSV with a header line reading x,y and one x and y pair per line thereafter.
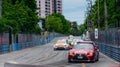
x,y
96,33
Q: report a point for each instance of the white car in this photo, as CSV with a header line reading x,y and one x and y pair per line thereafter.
x,y
61,44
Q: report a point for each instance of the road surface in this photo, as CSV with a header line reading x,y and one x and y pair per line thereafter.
x,y
45,55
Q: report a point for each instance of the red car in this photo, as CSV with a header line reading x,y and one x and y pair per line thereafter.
x,y
84,51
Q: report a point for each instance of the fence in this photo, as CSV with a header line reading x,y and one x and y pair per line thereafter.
x,y
109,42
24,41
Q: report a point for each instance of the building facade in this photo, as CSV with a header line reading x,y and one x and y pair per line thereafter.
x,y
57,6
47,7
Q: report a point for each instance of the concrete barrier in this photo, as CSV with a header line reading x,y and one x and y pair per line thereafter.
x,y
24,65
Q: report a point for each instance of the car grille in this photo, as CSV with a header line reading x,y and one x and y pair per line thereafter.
x,y
80,57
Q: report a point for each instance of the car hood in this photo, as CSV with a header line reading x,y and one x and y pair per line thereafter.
x,y
61,44
81,51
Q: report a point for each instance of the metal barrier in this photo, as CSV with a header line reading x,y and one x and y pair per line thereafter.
x,y
110,36
24,41
109,42
4,48
110,50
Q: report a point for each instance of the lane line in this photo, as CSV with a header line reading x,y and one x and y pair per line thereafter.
x,y
83,65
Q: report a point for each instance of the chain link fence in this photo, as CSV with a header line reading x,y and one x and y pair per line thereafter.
x,y
4,41
24,41
108,42
110,36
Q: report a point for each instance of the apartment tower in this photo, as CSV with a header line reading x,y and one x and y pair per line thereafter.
x,y
47,7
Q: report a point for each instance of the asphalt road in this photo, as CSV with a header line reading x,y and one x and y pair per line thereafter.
x,y
46,56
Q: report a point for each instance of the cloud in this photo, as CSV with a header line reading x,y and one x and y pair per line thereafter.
x,y
74,10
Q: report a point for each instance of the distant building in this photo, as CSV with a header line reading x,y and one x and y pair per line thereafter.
x,y
57,6
47,7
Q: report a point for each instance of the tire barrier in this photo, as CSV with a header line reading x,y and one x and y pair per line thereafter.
x,y
110,50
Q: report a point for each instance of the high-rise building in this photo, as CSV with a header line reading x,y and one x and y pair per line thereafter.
x,y
47,7
57,6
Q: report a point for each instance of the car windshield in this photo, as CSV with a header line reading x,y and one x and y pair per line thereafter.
x,y
83,46
61,42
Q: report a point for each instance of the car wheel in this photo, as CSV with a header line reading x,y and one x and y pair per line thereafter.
x,y
54,48
69,60
94,59
97,58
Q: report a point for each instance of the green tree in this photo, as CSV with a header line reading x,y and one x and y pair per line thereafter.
x,y
29,3
113,13
54,24
20,20
3,25
58,23
66,24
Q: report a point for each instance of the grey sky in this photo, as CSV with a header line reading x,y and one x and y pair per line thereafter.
x,y
74,10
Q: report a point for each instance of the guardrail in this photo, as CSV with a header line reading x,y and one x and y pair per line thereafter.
x,y
110,50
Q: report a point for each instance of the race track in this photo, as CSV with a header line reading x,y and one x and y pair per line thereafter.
x,y
46,56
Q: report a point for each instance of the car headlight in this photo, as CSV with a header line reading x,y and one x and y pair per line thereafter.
x,y
72,53
55,46
90,54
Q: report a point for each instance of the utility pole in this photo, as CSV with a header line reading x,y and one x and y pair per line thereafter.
x,y
106,22
0,8
98,14
90,12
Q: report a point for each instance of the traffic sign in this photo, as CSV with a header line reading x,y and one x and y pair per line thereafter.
x,y
96,33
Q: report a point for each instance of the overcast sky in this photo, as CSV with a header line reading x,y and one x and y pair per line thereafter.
x,y
74,10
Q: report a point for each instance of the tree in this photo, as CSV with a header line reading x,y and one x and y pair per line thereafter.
x,y
82,29
20,20
58,23
66,24
54,24
3,25
29,3
113,13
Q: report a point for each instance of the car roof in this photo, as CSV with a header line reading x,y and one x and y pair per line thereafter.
x,y
88,42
